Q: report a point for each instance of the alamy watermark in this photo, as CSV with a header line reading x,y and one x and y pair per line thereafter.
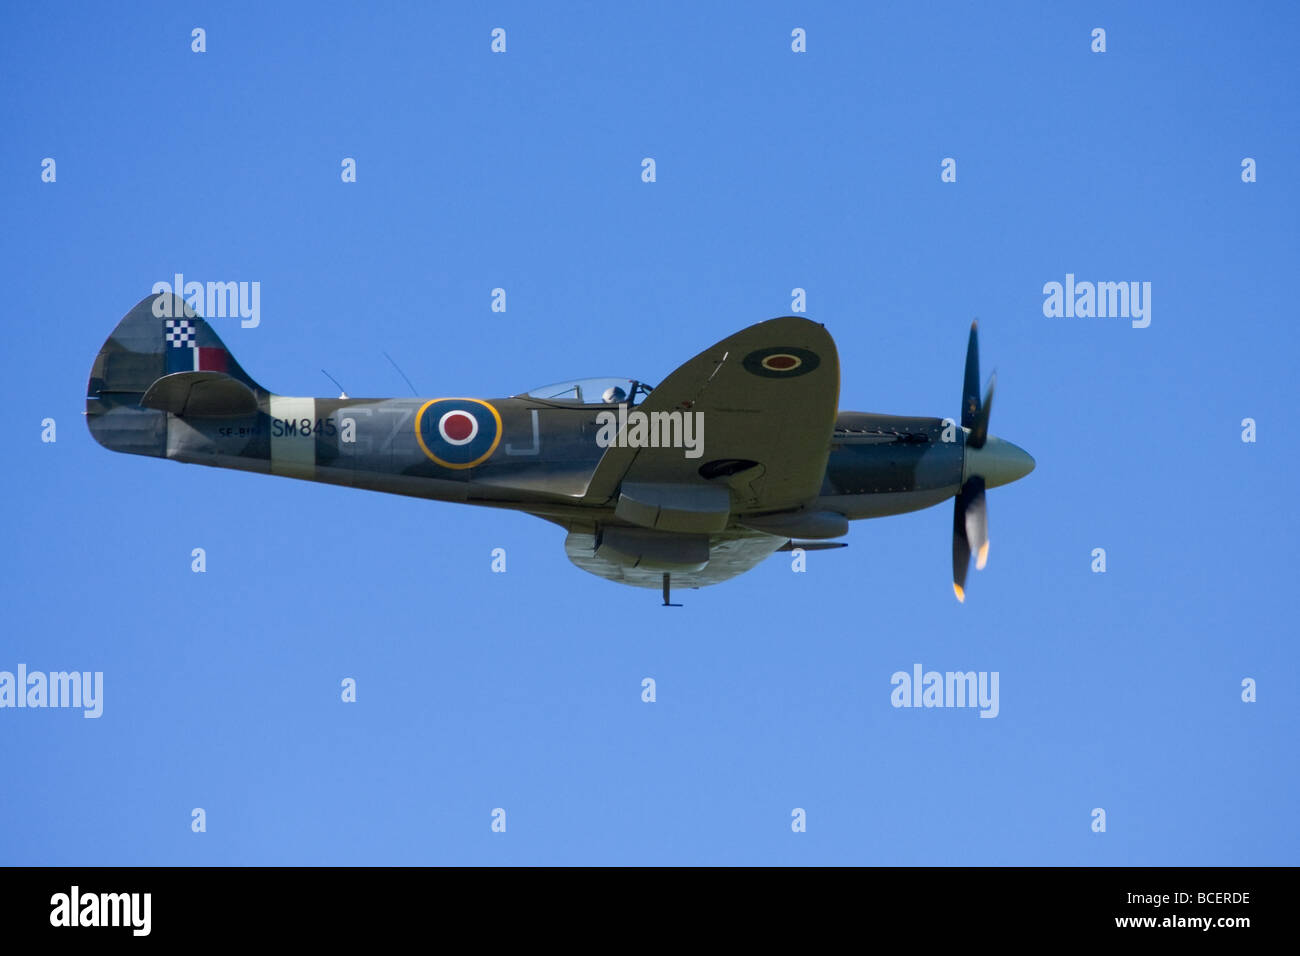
x,y
1102,300
84,689
76,908
638,429
212,300
947,689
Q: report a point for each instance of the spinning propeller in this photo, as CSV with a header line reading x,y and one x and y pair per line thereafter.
x,y
988,462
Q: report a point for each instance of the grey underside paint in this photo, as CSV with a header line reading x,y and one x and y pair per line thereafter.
x,y
729,556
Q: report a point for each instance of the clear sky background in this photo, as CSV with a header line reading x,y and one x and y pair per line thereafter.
x,y
775,170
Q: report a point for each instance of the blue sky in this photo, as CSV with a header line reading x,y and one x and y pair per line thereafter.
x,y
775,170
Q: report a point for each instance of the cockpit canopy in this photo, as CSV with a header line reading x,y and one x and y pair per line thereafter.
x,y
592,391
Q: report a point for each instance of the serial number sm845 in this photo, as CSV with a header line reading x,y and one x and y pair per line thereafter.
x,y
282,428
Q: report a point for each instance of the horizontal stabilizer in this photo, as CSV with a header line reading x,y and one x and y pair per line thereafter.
x,y
201,395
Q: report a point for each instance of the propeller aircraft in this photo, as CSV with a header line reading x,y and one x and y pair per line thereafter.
x,y
739,453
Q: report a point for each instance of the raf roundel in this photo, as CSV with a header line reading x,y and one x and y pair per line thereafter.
x,y
457,427
781,362
458,433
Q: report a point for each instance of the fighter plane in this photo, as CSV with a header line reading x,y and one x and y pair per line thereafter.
x,y
739,453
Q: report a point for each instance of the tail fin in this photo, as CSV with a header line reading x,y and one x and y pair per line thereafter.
x,y
161,358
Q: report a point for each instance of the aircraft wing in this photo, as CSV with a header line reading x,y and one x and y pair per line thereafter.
x,y
767,397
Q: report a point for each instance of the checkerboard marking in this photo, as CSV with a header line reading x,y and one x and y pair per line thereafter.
x,y
180,333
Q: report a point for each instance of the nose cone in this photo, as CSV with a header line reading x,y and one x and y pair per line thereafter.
x,y
998,462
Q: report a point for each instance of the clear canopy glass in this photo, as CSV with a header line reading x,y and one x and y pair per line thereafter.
x,y
592,391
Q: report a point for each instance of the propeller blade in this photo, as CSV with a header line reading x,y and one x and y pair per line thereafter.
x,y
970,392
969,533
960,549
977,522
979,432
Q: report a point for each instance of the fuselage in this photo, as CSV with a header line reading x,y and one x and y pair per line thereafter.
x,y
540,461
